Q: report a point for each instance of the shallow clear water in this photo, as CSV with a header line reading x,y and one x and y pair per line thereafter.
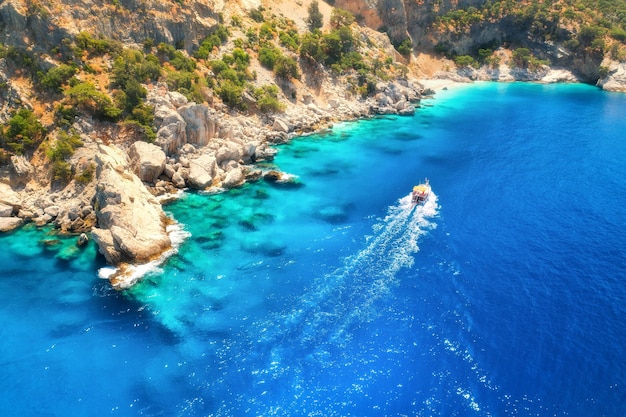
x,y
503,295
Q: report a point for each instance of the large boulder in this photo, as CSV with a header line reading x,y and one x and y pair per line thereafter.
x,y
234,178
147,161
230,151
280,125
8,197
615,80
131,223
201,126
201,171
9,223
21,170
172,131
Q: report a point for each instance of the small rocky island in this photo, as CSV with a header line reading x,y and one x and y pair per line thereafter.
x,y
108,110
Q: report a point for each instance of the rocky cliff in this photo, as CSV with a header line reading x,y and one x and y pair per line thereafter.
x,y
463,27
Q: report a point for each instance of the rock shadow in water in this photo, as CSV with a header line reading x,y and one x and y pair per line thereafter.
x,y
334,214
267,248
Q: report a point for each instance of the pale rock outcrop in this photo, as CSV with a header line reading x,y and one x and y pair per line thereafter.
x,y
5,211
230,151
52,211
234,178
8,197
616,77
131,223
280,126
201,126
172,131
21,170
9,223
201,171
147,161
178,180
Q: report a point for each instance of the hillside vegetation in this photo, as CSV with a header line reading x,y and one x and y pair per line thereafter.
x,y
250,61
98,59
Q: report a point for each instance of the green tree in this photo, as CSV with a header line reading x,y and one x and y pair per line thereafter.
x,y
521,57
405,47
316,18
340,18
268,56
464,61
310,47
57,76
86,96
286,67
267,99
23,131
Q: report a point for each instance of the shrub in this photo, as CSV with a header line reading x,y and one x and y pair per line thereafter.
x,y
61,171
257,14
86,96
231,93
62,149
268,56
132,65
588,34
217,36
56,77
100,46
267,31
86,175
310,47
218,66
290,40
182,63
64,146
405,47
286,67
24,131
464,61
267,99
521,57
341,18
177,80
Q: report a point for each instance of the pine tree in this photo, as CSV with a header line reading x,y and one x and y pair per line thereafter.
x,y
316,18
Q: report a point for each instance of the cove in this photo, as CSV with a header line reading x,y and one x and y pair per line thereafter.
x,y
332,295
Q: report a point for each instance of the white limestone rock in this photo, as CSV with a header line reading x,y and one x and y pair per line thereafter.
x,y
131,223
201,171
280,125
233,178
230,151
201,126
172,131
615,79
147,161
5,210
9,223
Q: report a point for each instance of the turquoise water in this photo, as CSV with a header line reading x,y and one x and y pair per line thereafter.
x,y
502,296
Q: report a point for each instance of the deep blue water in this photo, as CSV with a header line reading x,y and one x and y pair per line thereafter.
x,y
504,295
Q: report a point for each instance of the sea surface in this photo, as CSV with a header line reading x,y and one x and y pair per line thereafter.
x,y
331,295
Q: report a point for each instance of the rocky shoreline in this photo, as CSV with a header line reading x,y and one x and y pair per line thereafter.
x,y
197,147
200,148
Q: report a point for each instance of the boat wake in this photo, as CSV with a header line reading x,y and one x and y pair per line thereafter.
x,y
340,303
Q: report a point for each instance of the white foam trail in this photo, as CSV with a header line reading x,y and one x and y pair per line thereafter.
x,y
348,294
131,274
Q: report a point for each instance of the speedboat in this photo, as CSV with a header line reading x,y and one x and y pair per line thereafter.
x,y
420,192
